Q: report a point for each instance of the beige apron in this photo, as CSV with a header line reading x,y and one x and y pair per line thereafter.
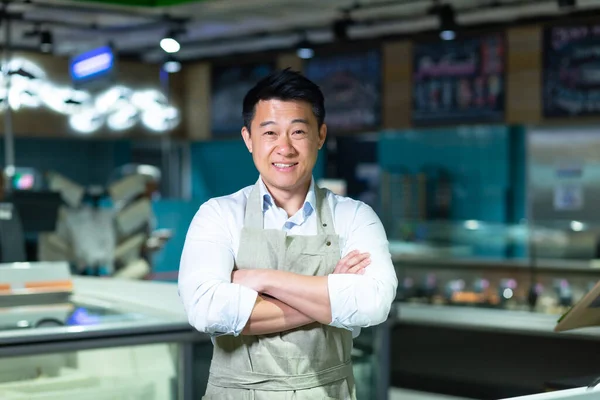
x,y
311,362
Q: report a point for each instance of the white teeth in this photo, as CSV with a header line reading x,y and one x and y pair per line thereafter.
x,y
278,165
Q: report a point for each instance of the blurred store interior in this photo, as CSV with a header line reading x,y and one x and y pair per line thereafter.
x,y
472,127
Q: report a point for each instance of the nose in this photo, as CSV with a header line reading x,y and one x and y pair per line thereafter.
x,y
285,146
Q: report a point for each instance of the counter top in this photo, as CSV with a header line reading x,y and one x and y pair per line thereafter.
x,y
520,322
129,308
146,308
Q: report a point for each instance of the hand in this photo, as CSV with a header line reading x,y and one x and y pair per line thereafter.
x,y
353,263
251,278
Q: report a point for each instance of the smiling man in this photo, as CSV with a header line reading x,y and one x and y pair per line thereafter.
x,y
283,274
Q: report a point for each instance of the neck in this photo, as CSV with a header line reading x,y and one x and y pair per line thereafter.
x,y
290,200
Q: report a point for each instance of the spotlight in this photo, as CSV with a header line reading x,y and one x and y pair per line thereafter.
x,y
446,15
172,65
340,28
169,43
448,35
46,41
304,50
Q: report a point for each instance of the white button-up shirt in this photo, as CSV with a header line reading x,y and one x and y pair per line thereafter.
x,y
216,306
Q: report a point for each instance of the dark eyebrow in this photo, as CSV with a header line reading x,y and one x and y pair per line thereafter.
x,y
265,123
300,120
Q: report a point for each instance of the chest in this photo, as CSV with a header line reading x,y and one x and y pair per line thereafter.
x,y
314,255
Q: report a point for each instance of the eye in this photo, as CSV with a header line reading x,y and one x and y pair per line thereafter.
x,y
269,133
299,132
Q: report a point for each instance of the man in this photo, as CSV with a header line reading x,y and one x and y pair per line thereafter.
x,y
283,274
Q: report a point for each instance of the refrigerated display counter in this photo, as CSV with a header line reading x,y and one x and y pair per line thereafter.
x,y
483,327
103,338
97,338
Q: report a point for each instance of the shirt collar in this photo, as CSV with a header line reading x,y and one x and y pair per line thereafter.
x,y
310,203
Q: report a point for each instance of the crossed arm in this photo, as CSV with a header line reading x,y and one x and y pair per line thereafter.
x,y
267,301
287,300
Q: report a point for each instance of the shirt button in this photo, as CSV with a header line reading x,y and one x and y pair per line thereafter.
x,y
328,243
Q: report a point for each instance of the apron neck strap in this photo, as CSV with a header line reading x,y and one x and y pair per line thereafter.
x,y
254,206
324,217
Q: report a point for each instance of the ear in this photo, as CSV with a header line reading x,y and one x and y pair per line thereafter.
x,y
247,138
322,135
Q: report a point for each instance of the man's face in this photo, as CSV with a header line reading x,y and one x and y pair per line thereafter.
x,y
284,142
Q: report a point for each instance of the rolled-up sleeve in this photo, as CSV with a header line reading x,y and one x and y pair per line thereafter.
x,y
213,304
364,300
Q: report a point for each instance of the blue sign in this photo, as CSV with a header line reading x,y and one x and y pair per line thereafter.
x,y
97,63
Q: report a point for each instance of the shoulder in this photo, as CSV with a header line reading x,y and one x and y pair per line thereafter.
x,y
350,214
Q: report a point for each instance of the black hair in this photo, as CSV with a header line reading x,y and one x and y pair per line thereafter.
x,y
285,85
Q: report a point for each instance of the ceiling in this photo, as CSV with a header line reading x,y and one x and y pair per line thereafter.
x,y
212,28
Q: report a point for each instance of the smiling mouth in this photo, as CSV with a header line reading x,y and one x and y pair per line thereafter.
x,y
284,165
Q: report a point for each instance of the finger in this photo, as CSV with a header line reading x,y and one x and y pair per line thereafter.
x,y
355,260
343,265
340,268
360,266
350,262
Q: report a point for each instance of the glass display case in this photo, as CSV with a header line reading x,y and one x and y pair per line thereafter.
x,y
120,339
544,267
144,372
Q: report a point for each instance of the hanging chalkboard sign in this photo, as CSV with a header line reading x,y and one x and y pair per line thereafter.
x,y
571,84
351,84
229,86
459,81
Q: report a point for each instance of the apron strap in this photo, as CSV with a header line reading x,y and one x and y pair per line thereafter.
x,y
324,216
229,378
253,217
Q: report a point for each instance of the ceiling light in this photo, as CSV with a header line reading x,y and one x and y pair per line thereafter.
x,y
172,65
447,20
447,35
304,50
170,45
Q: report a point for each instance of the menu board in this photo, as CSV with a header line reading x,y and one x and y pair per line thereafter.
x,y
459,81
571,84
351,84
229,86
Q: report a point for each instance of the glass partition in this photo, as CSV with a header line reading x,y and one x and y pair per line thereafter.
x,y
541,266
